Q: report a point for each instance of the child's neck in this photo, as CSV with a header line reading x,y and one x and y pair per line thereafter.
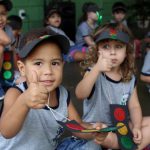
x,y
91,23
52,100
114,74
54,26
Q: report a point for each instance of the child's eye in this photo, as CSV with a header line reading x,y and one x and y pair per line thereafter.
x,y
119,46
106,46
38,63
56,63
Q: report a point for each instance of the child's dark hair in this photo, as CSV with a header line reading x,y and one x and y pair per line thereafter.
x,y
7,4
86,8
127,67
15,22
119,6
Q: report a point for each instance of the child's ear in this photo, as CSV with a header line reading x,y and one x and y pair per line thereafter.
x,y
47,21
21,67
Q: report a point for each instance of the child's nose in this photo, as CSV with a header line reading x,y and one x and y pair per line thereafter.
x,y
112,51
48,69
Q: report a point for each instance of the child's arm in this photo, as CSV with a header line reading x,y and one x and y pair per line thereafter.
x,y
73,115
135,116
126,29
13,115
89,41
145,71
1,55
4,39
85,86
17,106
145,78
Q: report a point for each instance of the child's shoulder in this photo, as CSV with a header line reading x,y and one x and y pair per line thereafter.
x,y
9,32
133,81
83,24
63,89
21,86
64,94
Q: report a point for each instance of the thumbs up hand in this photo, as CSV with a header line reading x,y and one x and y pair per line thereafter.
x,y
103,64
36,96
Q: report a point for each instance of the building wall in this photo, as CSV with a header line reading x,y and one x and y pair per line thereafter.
x,y
34,10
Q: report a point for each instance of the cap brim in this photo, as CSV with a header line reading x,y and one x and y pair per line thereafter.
x,y
60,39
120,36
53,11
119,8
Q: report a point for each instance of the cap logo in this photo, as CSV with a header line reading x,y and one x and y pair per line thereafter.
x,y
44,37
113,33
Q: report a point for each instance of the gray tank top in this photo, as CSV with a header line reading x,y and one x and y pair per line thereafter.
x,y
105,92
40,130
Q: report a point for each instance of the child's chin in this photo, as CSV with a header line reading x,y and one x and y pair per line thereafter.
x,y
50,89
1,27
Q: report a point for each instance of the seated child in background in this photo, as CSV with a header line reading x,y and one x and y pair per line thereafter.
x,y
145,72
85,31
26,123
5,36
110,79
5,6
53,22
119,13
15,22
4,40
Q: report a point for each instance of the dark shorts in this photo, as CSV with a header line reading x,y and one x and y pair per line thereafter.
x,y
73,143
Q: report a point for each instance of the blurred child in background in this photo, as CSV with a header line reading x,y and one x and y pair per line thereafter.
x,y
15,22
5,7
119,13
53,22
4,40
85,31
145,72
84,34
